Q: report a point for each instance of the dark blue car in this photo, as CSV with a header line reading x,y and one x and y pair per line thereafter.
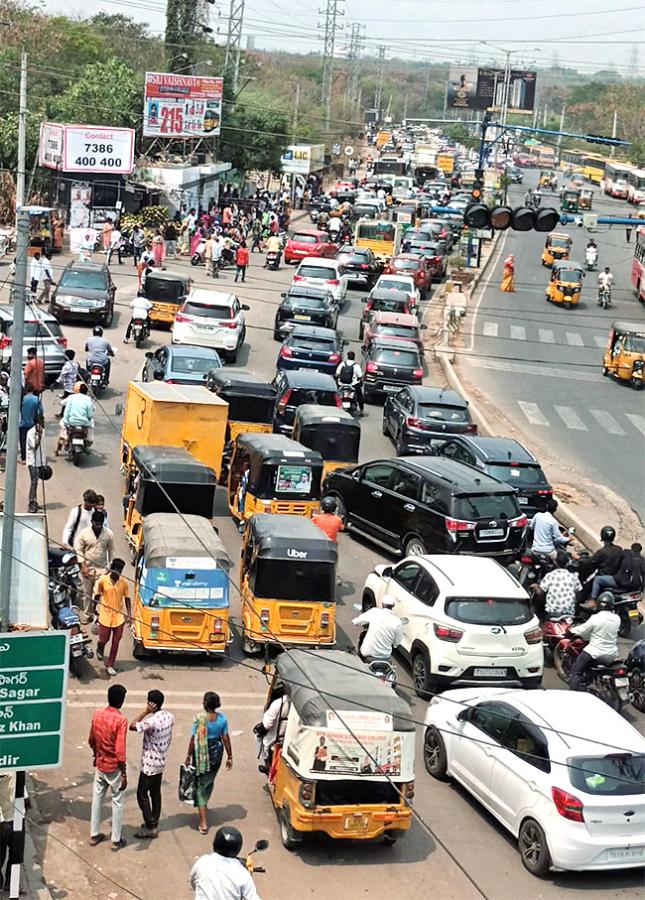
x,y
311,347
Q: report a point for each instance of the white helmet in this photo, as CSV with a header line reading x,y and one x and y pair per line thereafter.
x,y
388,601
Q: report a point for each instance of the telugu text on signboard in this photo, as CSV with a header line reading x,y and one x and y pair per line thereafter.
x,y
181,106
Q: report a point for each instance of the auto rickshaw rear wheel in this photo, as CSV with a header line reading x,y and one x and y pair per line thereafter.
x,y
638,384
291,839
251,648
567,304
139,651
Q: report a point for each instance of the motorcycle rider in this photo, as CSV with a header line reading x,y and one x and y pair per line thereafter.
x,y
601,633
99,350
140,307
328,520
591,253
79,412
605,282
605,561
349,372
273,245
384,630
546,531
220,875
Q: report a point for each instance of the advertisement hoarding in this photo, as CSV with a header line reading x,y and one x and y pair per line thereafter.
x,y
461,92
182,106
470,87
93,148
50,146
303,159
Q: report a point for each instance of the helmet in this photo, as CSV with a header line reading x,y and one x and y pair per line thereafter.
x,y
605,600
97,331
328,505
227,841
607,534
388,601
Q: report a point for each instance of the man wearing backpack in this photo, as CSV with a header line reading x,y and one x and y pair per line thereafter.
x,y
349,372
629,577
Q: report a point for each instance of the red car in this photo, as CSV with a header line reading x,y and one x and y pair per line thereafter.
x,y
407,264
309,243
394,326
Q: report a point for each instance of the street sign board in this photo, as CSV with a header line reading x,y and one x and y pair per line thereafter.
x,y
349,150
33,684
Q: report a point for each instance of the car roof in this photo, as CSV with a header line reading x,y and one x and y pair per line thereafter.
x,y
301,378
216,298
315,331
388,294
189,350
312,232
497,449
405,256
319,261
465,479
307,291
438,396
32,315
385,342
466,574
86,266
393,318
393,276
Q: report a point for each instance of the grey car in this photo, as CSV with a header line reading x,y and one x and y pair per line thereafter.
x,y
42,331
183,364
85,291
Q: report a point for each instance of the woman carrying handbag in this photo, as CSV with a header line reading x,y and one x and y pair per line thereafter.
x,y
205,751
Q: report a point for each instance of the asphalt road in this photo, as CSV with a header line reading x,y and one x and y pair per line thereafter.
x,y
458,854
541,365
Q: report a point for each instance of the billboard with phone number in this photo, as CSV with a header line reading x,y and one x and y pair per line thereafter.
x,y
93,148
182,106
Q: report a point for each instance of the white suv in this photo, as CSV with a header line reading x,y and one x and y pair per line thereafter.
x,y
211,319
398,282
469,622
313,271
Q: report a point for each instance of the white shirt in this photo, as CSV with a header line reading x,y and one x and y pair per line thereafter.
x,y
275,721
334,224
357,374
115,237
601,632
384,632
215,877
36,269
84,522
140,307
34,454
216,248
605,279
47,273
546,533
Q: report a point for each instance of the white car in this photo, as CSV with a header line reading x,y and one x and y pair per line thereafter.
x,y
399,283
469,622
211,319
561,770
313,271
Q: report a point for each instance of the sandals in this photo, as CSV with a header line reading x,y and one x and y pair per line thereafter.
x,y
203,829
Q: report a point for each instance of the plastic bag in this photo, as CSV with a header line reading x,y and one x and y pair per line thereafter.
x,y
186,789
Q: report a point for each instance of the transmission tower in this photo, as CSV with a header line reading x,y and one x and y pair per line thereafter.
x,y
632,65
354,57
234,43
380,75
329,28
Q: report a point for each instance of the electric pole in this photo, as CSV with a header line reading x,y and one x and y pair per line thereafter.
x,y
329,28
21,173
632,65
380,76
354,57
234,43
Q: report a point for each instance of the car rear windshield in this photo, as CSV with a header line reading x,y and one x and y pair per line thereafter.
x,y
405,358
443,413
82,279
305,238
406,264
524,475
395,284
302,342
185,365
322,398
489,610
280,580
305,302
207,310
486,506
397,331
322,272
35,330
387,304
616,774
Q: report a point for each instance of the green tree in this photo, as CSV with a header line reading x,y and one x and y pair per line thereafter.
x,y
254,138
106,93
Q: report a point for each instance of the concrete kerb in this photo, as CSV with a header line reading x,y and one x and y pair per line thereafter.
x,y
32,872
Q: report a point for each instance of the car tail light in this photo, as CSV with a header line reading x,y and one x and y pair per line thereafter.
x,y
324,620
282,405
228,323
306,793
334,358
417,373
545,492
444,633
567,805
459,525
5,342
169,381
286,351
519,522
371,367
388,270
471,428
62,341
264,617
534,636
338,402
364,266
182,317
217,625
413,422
298,278
333,281
154,626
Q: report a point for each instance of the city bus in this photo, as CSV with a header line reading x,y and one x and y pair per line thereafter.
x,y
638,265
542,156
614,181
636,186
571,159
593,167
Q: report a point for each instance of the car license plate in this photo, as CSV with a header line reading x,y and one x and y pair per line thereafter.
x,y
76,639
80,309
391,387
626,853
356,823
632,613
490,673
491,532
523,500
205,328
303,318
622,682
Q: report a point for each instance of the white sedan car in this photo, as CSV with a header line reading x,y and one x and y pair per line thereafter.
x,y
561,770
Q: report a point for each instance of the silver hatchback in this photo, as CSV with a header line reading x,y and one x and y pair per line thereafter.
x,y
42,331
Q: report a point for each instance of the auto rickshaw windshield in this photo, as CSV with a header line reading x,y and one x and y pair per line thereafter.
x,y
560,243
333,443
279,579
570,275
634,343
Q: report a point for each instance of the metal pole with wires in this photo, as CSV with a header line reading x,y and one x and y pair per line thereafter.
x,y
380,76
21,173
354,58
19,296
234,42
329,27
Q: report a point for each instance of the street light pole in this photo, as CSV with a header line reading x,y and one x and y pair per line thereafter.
x,y
21,173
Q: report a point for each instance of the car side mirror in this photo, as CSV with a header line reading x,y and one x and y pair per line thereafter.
x,y
422,327
283,294
345,343
245,306
387,572
465,715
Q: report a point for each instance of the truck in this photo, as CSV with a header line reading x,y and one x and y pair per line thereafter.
x,y
382,138
446,162
175,415
424,162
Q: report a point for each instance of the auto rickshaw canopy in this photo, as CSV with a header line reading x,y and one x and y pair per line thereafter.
x,y
344,682
249,399
170,535
334,433
267,451
567,270
172,479
166,287
558,239
274,536
629,330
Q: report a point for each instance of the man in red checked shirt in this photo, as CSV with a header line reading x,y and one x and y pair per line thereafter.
x,y
107,741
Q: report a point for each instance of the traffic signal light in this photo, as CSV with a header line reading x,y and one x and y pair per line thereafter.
x,y
599,139
499,218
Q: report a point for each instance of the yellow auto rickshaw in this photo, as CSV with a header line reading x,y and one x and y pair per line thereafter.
x,y
167,292
547,179
345,766
271,473
586,199
556,247
334,433
251,402
287,583
624,357
565,284
180,598
164,479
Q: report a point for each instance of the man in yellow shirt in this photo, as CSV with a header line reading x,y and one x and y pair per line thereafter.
x,y
111,593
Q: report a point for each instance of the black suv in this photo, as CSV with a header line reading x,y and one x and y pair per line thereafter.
x,y
389,365
425,504
508,460
361,266
416,416
306,306
85,291
296,388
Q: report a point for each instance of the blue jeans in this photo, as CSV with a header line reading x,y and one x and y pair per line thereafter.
x,y
602,583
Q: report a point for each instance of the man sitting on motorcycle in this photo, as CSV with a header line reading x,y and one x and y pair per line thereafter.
x,y
605,281
99,350
78,412
546,531
274,245
384,630
559,587
605,561
349,372
601,633
591,253
220,873
140,307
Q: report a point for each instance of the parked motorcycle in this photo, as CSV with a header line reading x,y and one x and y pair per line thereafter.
x,y
77,443
64,589
635,665
607,681
140,331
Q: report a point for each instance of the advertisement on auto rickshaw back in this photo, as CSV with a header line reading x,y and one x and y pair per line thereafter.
x,y
185,580
293,479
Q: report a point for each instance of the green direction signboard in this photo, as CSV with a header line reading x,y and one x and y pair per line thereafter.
x,y
33,683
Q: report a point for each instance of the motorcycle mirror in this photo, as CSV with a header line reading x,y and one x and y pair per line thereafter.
x,y
157,375
148,355
571,530
261,845
404,620
118,409
245,306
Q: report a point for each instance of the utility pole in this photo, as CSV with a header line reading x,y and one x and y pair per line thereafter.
x,y
329,27
21,174
354,57
15,390
296,110
234,42
562,112
614,128
380,77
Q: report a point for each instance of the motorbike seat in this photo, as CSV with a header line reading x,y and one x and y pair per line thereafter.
x,y
68,616
56,555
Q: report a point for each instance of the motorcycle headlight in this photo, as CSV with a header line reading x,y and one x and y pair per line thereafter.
x,y
639,365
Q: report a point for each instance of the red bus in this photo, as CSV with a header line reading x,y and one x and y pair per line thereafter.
x,y
638,264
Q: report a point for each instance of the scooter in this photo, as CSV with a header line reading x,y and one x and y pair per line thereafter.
x,y
77,443
64,588
97,377
347,394
272,260
608,682
197,257
140,331
591,258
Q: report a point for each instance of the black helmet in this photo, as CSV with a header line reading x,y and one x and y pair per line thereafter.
x,y
605,600
607,533
328,505
97,331
227,841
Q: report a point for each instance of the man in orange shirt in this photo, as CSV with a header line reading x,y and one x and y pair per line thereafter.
x,y
107,742
34,371
328,521
111,591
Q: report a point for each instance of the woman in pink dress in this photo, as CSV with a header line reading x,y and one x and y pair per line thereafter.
x,y
158,249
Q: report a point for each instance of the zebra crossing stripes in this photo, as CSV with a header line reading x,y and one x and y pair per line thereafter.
x,y
607,421
543,335
574,340
570,418
533,413
518,333
490,329
574,420
600,341
637,421
546,336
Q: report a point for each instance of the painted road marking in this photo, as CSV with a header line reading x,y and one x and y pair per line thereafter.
x,y
600,341
490,329
607,421
518,333
637,421
533,413
546,336
574,340
570,418
530,369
